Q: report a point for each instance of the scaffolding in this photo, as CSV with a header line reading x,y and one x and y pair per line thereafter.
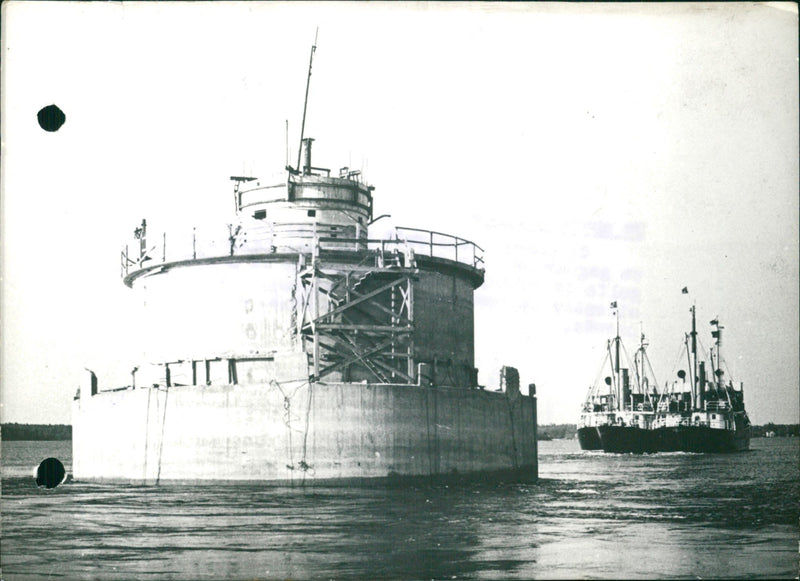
x,y
358,319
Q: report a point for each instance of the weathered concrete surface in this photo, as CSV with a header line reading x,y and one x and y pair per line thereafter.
x,y
245,309
300,433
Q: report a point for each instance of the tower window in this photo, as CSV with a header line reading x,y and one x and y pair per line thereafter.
x,y
260,214
312,213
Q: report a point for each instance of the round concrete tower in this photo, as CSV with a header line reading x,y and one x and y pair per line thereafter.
x,y
297,289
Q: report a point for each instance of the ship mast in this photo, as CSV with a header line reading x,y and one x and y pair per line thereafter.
x,y
617,383
305,103
718,372
694,359
641,375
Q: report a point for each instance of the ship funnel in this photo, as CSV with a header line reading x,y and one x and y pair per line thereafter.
x,y
307,154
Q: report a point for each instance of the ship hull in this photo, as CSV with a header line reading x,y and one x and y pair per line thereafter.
x,y
701,439
304,434
627,439
589,439
697,439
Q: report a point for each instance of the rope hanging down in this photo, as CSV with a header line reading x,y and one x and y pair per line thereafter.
x,y
302,465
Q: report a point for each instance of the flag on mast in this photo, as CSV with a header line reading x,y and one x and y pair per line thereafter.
x,y
685,290
614,305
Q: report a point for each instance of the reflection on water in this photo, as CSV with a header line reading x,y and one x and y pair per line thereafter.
x,y
592,515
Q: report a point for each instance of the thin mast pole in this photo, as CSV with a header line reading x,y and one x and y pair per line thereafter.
x,y
616,363
614,386
694,359
305,103
616,340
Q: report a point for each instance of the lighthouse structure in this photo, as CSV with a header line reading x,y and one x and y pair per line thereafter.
x,y
297,279
293,347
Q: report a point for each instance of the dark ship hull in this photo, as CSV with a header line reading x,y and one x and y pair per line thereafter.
x,y
697,439
589,439
702,439
627,439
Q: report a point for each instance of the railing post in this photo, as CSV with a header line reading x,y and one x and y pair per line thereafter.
x,y
431,254
164,249
194,242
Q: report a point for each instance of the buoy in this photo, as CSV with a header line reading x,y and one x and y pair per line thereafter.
x,y
50,473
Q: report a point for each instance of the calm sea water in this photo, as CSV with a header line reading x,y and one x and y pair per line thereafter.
x,y
591,516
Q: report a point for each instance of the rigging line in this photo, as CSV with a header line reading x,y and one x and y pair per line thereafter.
x,y
161,444
593,387
625,352
303,464
303,381
652,373
628,359
614,380
287,420
677,360
298,388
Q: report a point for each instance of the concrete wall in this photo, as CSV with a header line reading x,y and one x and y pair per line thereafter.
x,y
300,433
245,309
444,324
206,310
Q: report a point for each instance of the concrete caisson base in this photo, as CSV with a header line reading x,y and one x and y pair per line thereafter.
x,y
301,433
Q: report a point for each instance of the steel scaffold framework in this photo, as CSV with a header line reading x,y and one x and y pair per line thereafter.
x,y
359,316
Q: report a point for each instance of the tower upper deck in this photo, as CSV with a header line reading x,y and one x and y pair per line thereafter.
x,y
309,212
309,196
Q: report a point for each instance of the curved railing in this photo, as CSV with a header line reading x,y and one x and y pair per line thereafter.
x,y
150,249
442,245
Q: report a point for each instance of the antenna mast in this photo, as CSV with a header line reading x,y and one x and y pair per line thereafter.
x,y
305,104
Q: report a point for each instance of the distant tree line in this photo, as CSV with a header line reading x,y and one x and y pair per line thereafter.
x,y
775,430
556,431
36,432
546,432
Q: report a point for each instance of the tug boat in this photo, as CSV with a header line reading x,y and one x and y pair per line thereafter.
x,y
703,414
618,413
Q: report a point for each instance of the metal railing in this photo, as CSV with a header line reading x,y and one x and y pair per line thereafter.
x,y
442,245
152,248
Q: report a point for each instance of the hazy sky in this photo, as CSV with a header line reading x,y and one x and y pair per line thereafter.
x,y
596,152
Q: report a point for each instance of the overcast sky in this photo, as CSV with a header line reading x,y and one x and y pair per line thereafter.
x,y
596,152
